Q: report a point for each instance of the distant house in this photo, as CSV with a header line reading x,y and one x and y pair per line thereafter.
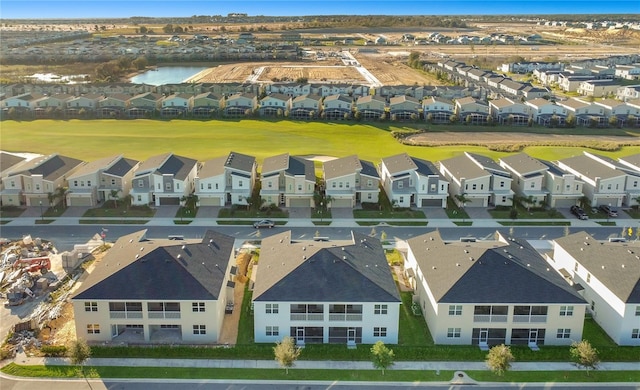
x,y
547,113
206,104
157,291
305,107
529,176
437,110
92,183
325,292
479,179
8,163
510,112
404,108
371,107
175,105
485,293
350,181
143,105
288,181
472,111
586,114
274,105
410,181
240,104
163,180
112,106
607,275
226,180
337,107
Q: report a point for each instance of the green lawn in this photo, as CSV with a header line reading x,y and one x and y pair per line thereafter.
x,y
390,375
241,212
388,214
122,211
11,211
202,140
504,212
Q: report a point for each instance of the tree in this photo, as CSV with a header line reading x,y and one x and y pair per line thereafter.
x,y
462,200
584,355
499,359
381,356
114,195
143,30
79,352
613,121
286,353
61,192
584,201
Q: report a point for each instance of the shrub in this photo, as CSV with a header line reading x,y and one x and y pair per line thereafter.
x,y
53,350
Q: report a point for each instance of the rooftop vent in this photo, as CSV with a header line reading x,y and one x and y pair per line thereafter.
x,y
457,264
603,267
184,247
179,256
137,255
467,239
434,267
344,257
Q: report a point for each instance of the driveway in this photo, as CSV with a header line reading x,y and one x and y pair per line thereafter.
x,y
168,211
478,213
299,212
210,212
341,213
434,212
75,211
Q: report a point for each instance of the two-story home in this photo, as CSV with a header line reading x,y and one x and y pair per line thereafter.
x,y
410,181
586,114
305,107
226,180
84,104
370,107
163,180
175,105
112,106
157,291
565,189
325,292
337,107
143,105
274,105
8,163
404,108
34,180
350,181
288,181
472,111
510,112
607,274
618,113
94,182
206,104
437,110
528,176
603,183
478,180
547,113
240,104
485,293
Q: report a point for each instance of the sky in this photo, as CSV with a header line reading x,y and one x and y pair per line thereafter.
x,y
82,9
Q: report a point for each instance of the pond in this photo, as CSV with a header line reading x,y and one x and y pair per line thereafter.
x,y
167,75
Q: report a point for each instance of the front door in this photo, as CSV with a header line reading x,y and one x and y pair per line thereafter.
x,y
533,336
114,331
300,335
351,336
484,336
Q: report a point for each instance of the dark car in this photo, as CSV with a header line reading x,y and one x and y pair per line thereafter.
x,y
579,212
610,211
265,223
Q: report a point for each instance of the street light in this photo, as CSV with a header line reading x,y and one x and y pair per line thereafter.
x,y
321,211
41,214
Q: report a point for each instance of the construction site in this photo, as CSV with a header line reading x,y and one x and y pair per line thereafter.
x,y
35,284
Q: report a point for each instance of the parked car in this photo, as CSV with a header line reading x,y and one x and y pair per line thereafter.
x,y
265,223
579,212
610,211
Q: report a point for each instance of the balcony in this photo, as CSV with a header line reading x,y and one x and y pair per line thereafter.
x,y
307,317
125,314
489,318
530,318
344,317
165,314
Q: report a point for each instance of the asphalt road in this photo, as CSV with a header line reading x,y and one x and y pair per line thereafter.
x,y
157,384
65,237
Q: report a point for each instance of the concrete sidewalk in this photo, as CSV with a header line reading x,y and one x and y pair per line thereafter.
x,y
22,359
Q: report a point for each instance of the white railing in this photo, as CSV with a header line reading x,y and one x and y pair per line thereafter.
x,y
489,318
529,318
307,317
117,314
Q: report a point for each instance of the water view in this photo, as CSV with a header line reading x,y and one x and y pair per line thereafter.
x,y
167,75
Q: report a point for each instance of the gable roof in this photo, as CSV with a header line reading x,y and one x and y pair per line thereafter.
x,y
167,164
349,271
51,167
495,271
341,167
463,167
8,161
94,166
523,164
121,167
137,268
591,168
240,162
399,163
614,264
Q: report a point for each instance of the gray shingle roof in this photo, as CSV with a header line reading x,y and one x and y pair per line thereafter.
x,y
301,166
590,168
523,164
240,162
341,167
614,264
463,167
351,271
94,166
51,167
399,163
163,270
7,161
121,167
497,271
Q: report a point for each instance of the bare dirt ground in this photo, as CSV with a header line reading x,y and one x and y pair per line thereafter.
x,y
500,138
390,69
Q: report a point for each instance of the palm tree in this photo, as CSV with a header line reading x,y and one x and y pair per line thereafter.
x,y
61,192
127,200
462,201
114,195
584,201
52,198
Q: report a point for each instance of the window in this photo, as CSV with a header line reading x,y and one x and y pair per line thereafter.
x,y
93,328
432,187
455,310
563,333
197,306
453,332
333,184
139,198
88,183
400,184
91,306
240,183
380,331
346,184
217,185
566,311
473,186
369,196
272,331
340,185
167,186
199,329
113,182
533,185
75,183
593,305
501,184
369,183
380,309
271,308
637,311
208,186
140,183
300,187
635,333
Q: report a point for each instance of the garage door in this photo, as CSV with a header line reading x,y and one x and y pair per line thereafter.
x,y
80,202
611,201
341,203
562,203
169,201
475,202
209,201
297,202
431,203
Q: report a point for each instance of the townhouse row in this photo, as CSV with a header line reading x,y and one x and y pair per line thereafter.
x,y
470,110
483,293
470,180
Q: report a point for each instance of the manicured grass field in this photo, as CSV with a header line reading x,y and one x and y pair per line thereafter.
x,y
202,140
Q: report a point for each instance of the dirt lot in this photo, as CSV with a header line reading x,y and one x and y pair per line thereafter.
x,y
500,138
390,69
